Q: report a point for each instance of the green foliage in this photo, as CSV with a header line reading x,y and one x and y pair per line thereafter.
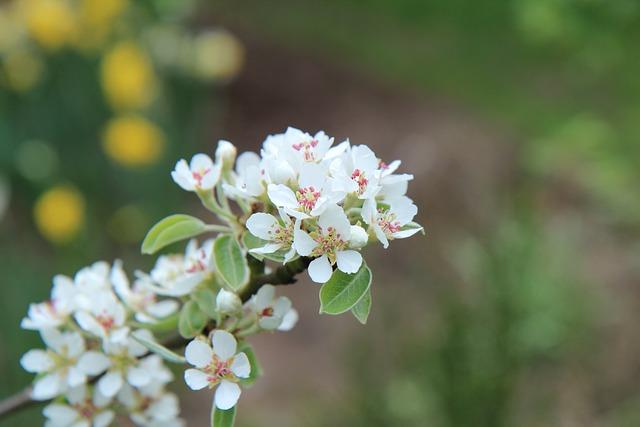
x,y
343,291
159,349
256,368
231,262
220,418
206,300
171,229
192,320
362,308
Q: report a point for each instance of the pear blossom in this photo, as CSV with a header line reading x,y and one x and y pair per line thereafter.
x,y
228,302
248,178
277,233
151,406
200,174
329,245
312,196
177,275
91,280
272,313
389,223
105,318
218,366
141,299
84,408
356,172
65,363
226,153
125,365
393,185
56,311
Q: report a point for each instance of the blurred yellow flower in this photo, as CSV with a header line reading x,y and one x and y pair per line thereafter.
x,y
11,30
128,78
218,55
59,214
97,19
50,22
22,70
133,141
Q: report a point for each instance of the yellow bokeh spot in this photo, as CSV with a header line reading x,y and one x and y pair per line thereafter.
x,y
22,70
50,22
128,78
133,141
97,19
59,214
218,55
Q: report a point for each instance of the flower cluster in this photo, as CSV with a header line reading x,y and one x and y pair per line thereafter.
x,y
315,199
303,202
93,364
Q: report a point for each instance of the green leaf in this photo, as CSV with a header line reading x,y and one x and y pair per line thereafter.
x,y
231,262
170,230
220,418
206,300
256,369
343,291
159,349
362,308
251,242
192,320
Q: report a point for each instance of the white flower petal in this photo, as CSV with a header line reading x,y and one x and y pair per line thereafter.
x,y
303,243
36,361
60,414
264,297
200,162
224,344
289,320
196,379
241,366
47,387
75,377
262,225
138,377
267,249
103,419
198,353
349,261
93,363
282,196
320,269
227,395
163,309
110,384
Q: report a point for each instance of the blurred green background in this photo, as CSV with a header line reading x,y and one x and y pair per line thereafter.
x,y
519,118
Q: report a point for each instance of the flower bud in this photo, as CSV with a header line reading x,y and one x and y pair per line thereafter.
x,y
226,154
359,237
228,302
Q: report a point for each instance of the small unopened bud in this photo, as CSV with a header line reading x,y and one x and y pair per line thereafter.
x,y
359,237
228,302
226,154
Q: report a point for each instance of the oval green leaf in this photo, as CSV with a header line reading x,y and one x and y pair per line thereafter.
x,y
230,262
220,418
343,291
256,369
159,349
362,308
170,230
192,320
206,300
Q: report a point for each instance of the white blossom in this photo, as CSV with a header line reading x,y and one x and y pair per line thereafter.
x,y
84,408
228,302
356,172
248,178
63,365
226,153
272,313
277,233
151,406
329,245
217,366
388,222
104,317
56,311
200,174
141,299
125,365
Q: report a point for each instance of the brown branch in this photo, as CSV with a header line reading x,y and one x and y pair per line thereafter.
x,y
284,275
